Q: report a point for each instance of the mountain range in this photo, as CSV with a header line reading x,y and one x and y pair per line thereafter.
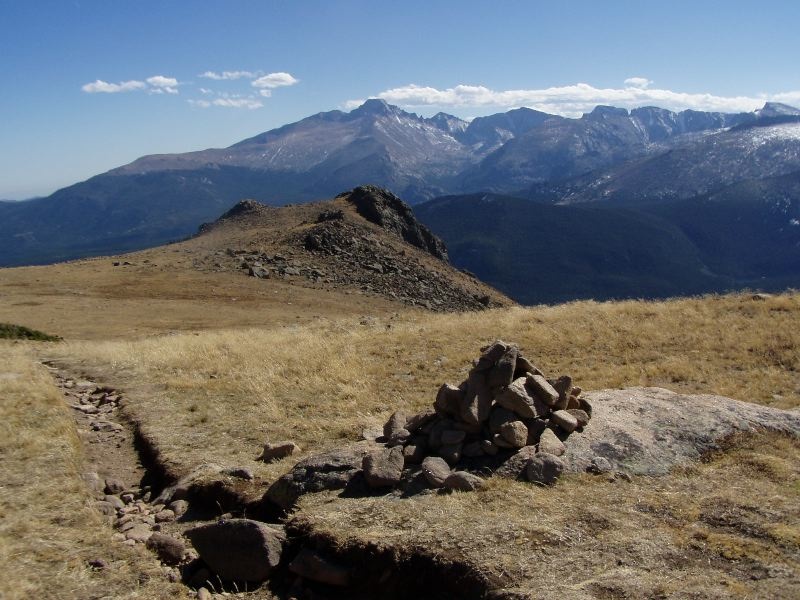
x,y
640,169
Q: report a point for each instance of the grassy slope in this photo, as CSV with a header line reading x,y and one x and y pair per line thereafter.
x,y
48,530
320,383
219,396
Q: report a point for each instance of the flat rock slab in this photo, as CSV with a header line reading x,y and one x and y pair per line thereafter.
x,y
648,431
327,471
239,549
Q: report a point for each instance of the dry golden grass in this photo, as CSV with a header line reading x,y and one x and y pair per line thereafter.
x,y
218,396
195,286
48,529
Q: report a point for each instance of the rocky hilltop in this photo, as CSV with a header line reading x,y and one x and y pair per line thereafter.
x,y
366,239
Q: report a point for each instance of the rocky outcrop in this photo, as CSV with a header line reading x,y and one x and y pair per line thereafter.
x,y
502,415
239,549
366,241
508,419
383,208
329,471
648,431
368,262
499,418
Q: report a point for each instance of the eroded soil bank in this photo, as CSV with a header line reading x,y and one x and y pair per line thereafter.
x,y
145,502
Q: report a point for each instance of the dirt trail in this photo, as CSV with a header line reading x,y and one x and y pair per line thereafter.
x,y
109,445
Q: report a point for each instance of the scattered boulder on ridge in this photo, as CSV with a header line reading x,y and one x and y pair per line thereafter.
x,y
382,207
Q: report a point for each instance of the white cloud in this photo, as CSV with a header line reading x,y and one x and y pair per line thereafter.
x,y
104,87
162,85
274,80
157,84
206,91
265,93
571,100
228,75
792,98
250,103
233,102
638,82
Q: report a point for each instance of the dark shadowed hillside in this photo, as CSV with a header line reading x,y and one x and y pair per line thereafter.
x,y
539,252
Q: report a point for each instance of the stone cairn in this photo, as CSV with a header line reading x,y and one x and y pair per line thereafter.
x,y
506,418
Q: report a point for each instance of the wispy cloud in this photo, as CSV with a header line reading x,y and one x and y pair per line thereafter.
x,y
638,82
263,84
573,100
229,75
163,85
248,103
274,80
157,84
103,87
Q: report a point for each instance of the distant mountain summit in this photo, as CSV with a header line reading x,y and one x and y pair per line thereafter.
x,y
776,109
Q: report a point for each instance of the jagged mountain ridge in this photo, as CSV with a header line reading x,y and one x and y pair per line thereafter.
x,y
160,198
561,149
419,157
746,152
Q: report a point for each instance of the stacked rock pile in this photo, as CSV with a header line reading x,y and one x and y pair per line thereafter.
x,y
505,418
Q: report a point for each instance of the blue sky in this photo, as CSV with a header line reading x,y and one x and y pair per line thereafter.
x,y
88,85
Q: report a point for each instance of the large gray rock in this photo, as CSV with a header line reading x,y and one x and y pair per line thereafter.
x,y
384,467
388,211
515,433
168,549
239,549
648,431
515,465
524,366
566,421
517,398
580,416
544,469
502,373
114,486
278,450
550,444
562,385
542,389
396,422
462,481
181,489
328,471
477,401
491,354
435,470
448,400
